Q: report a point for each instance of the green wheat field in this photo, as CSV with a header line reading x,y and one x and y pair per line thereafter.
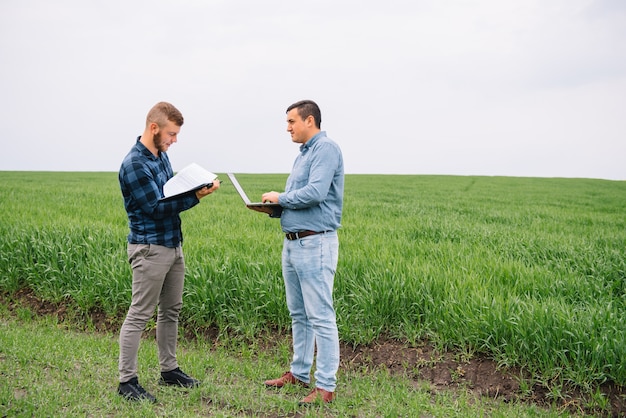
x,y
530,271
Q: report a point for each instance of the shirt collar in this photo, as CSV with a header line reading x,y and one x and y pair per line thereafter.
x,y
304,147
144,150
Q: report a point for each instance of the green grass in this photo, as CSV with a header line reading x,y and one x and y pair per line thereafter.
x,y
529,271
48,370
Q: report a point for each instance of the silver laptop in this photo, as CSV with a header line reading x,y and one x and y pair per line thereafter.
x,y
274,210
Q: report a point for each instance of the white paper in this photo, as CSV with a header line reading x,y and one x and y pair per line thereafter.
x,y
189,178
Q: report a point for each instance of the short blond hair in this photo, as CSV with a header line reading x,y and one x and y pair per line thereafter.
x,y
163,112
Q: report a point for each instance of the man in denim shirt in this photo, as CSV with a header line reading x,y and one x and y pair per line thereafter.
x,y
312,204
154,250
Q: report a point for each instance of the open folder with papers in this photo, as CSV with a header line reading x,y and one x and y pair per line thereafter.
x,y
274,210
189,179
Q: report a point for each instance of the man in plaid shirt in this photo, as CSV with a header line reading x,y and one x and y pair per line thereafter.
x,y
154,250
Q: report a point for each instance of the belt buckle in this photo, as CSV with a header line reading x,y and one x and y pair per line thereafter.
x,y
292,236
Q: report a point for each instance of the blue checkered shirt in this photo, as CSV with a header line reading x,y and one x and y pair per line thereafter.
x,y
151,221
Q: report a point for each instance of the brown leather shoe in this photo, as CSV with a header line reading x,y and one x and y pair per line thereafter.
x,y
318,395
285,379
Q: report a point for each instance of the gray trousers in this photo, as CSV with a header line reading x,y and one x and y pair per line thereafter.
x,y
158,278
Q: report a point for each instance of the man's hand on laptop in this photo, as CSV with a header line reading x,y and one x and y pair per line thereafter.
x,y
270,197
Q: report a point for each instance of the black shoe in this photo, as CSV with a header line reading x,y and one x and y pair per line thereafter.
x,y
133,391
177,377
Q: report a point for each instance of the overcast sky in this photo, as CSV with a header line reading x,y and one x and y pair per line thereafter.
x,y
473,87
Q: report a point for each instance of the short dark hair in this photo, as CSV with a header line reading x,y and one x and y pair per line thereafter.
x,y
308,108
163,112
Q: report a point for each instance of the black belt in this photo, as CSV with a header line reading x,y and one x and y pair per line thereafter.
x,y
291,236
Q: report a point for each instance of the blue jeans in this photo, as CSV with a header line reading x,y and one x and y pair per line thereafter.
x,y
309,266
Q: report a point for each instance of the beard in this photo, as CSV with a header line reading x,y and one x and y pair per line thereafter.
x,y
158,142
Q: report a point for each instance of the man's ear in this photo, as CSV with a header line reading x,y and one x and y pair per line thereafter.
x,y
154,128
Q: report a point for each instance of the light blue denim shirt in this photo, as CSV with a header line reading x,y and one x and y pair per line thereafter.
x,y
313,197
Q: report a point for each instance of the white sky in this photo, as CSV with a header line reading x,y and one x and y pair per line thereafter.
x,y
473,87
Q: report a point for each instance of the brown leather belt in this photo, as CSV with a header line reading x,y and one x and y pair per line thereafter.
x,y
291,236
